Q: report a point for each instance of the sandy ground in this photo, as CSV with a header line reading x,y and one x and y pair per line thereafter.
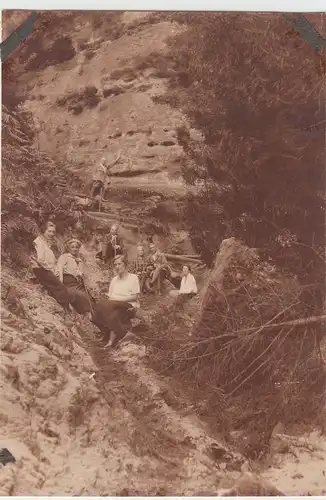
x,y
62,395
53,409
303,472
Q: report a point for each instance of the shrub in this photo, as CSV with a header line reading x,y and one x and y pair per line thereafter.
x,y
114,91
77,101
30,192
257,170
232,360
60,51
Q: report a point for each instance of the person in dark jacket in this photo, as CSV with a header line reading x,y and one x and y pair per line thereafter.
x,y
111,245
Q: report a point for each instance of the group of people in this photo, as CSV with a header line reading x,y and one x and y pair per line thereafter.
x,y
153,268
62,274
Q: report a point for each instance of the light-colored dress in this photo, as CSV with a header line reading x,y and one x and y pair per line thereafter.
x,y
67,264
45,256
120,288
188,284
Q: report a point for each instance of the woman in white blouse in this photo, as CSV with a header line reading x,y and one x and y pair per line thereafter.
x,y
70,269
45,266
188,286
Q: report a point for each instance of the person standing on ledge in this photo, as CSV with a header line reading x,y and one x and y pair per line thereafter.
x,y
99,178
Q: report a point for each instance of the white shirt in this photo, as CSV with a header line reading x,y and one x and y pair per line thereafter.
x,y
188,284
100,173
45,256
120,288
70,265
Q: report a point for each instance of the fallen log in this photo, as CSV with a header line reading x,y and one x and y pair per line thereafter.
x,y
111,218
194,256
182,258
199,267
102,215
258,329
294,322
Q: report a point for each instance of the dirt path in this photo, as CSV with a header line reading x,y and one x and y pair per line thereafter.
x,y
136,442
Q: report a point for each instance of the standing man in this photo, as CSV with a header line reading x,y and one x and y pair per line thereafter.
x,y
111,245
99,178
160,265
113,316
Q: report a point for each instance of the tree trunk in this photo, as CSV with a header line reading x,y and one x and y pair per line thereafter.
x,y
228,250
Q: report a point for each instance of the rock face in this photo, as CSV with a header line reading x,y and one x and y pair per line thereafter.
x,y
98,106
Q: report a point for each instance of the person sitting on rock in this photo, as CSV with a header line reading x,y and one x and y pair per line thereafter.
x,y
140,265
112,316
71,273
161,269
45,266
188,286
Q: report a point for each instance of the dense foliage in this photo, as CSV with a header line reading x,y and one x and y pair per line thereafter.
x,y
30,186
254,89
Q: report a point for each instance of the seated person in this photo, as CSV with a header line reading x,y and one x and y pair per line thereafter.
x,y
161,269
113,316
71,272
111,245
140,265
45,266
188,286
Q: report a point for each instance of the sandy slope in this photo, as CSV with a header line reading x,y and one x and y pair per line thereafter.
x,y
72,434
81,421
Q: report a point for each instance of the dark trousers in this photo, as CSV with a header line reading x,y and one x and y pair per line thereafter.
x,y
79,299
53,286
112,315
107,252
97,187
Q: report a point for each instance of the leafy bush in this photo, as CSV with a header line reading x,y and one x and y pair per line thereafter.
x,y
246,346
30,188
77,101
252,91
60,51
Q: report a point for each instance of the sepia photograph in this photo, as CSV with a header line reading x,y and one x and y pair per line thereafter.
x,y
163,311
